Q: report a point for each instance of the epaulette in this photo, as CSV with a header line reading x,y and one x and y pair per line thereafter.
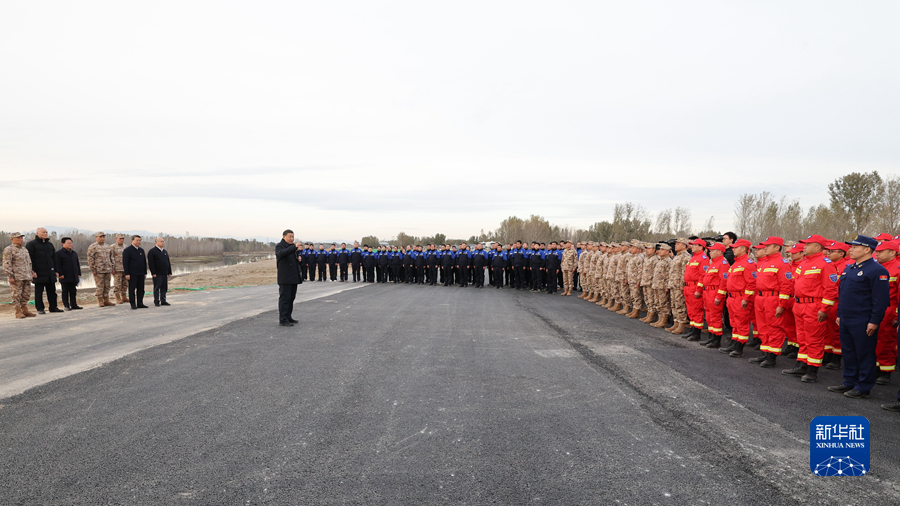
x,y
827,260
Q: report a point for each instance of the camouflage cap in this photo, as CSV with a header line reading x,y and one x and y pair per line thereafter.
x,y
636,243
15,235
684,241
100,234
665,246
648,245
604,244
120,236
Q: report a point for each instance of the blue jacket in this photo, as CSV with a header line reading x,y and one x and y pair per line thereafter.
x,y
864,292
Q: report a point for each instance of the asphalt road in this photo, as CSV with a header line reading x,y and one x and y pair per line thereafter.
x,y
431,395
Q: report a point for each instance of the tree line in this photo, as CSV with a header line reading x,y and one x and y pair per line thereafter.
x,y
176,245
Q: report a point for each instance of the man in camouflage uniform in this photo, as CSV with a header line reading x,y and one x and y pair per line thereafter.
x,y
676,286
100,262
584,269
647,268
17,266
634,268
121,287
623,302
660,285
609,275
568,265
596,267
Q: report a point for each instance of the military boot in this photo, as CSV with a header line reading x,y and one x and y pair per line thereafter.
x,y
101,302
662,322
623,310
709,338
798,370
26,312
635,314
19,312
792,352
827,358
651,316
835,362
732,345
582,295
677,328
760,359
715,342
769,361
884,378
694,335
126,300
738,350
811,375
108,302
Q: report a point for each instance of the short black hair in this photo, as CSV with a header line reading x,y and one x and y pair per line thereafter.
x,y
732,235
136,237
286,232
365,245
64,239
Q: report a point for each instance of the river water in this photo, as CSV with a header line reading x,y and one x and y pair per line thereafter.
x,y
186,266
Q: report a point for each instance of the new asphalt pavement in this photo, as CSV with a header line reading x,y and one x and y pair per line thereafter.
x,y
404,394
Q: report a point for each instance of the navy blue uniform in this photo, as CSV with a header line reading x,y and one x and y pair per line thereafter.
x,y
864,295
535,264
479,262
498,265
396,266
343,260
321,260
384,262
464,261
369,260
448,259
551,264
355,262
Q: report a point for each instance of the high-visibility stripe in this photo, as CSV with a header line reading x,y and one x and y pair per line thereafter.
x,y
714,329
792,343
784,296
697,325
723,292
770,269
748,292
828,302
742,339
888,368
893,278
836,351
814,360
755,333
828,348
801,356
738,269
813,271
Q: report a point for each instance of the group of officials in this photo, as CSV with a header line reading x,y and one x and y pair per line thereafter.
x,y
826,303
38,263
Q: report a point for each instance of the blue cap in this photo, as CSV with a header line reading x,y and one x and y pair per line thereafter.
x,y
862,240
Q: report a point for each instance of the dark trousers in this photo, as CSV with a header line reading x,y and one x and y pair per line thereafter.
x,y
355,269
332,271
370,274
421,274
858,350
312,271
463,275
575,281
478,273
321,272
160,286
536,278
498,276
286,296
69,294
136,290
39,295
303,269
509,276
433,274
343,272
551,280
520,277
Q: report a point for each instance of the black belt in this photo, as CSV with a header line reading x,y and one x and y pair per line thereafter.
x,y
767,293
806,300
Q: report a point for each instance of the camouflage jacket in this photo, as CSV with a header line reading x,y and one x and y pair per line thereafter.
x,y
633,270
116,252
17,263
569,259
661,273
676,272
99,258
647,270
622,266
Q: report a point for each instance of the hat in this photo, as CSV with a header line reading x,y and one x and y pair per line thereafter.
x,y
100,234
797,248
772,240
604,244
837,245
699,242
684,241
15,235
862,240
636,243
120,236
759,246
648,245
665,246
815,238
884,236
718,247
742,242
888,245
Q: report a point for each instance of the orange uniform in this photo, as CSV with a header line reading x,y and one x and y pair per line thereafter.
x,y
774,289
886,348
694,273
741,286
713,285
815,290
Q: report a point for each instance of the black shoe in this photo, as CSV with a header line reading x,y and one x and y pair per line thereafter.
x,y
769,361
143,307
760,359
884,378
715,343
738,350
826,358
156,304
41,311
164,303
840,388
55,310
68,309
798,370
811,375
731,347
76,307
856,394
293,320
793,353
891,406
834,363
286,324
133,307
694,335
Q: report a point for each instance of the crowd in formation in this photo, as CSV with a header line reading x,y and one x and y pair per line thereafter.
x,y
820,302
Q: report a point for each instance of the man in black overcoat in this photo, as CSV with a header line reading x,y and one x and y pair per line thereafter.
x,y
288,277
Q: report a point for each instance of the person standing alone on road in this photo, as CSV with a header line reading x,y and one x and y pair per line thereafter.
x,y
288,277
69,273
160,269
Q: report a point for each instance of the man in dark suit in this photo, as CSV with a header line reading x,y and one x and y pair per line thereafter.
x,y
69,271
288,277
134,265
160,269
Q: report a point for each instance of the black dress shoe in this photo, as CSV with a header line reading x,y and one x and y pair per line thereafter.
x,y
41,311
294,321
156,304
164,303
68,309
891,406
840,388
286,324
856,394
143,307
133,307
55,310
76,307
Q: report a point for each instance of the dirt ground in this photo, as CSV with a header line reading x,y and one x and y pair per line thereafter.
x,y
249,274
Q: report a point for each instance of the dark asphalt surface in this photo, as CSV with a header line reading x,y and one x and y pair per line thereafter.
x,y
431,395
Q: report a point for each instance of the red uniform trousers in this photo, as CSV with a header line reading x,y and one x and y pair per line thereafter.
x,y
713,312
739,317
694,305
833,339
811,334
789,325
886,348
770,328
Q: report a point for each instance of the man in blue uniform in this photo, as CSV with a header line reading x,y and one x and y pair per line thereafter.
x,y
448,259
464,261
355,261
384,263
421,264
498,264
551,262
865,295
343,260
396,265
535,267
479,262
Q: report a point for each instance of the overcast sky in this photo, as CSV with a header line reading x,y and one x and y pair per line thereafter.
x,y
343,119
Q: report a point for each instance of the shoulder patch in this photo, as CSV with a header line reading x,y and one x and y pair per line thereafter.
x,y
827,260
705,267
882,278
749,260
833,278
788,275
703,257
785,260
754,274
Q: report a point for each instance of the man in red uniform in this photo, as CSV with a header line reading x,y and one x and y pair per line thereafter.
x,y
815,290
693,286
836,251
886,348
713,287
773,291
790,326
741,288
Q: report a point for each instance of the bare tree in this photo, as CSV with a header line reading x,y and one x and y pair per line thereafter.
x,y
664,223
683,224
888,218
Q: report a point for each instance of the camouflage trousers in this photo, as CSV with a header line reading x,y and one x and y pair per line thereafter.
x,y
624,294
568,280
679,306
637,296
649,298
586,282
102,281
662,301
121,285
21,293
599,288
